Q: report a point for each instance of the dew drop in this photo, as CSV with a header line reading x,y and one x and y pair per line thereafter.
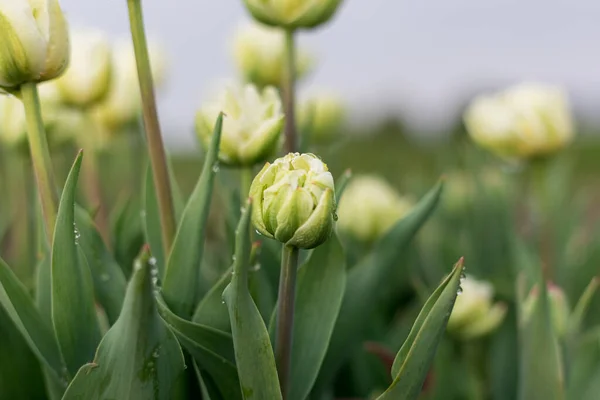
x,y
184,366
233,258
459,291
215,167
258,233
335,216
137,265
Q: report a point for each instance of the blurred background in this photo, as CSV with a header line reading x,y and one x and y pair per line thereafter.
x,y
415,61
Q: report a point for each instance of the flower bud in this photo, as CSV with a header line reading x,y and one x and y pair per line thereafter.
x,y
259,54
474,313
526,121
321,117
292,14
251,128
123,103
369,208
35,42
294,201
559,307
87,79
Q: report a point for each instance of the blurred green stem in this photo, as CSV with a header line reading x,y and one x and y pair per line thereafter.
x,y
245,182
541,211
285,315
40,156
289,92
155,143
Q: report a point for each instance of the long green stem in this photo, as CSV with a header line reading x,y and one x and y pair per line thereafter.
x,y
245,182
155,143
40,156
285,315
289,93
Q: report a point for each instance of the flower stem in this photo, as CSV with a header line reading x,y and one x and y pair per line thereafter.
x,y
40,156
245,182
285,315
289,92
153,135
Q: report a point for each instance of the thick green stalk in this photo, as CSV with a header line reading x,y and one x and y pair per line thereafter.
x,y
156,148
40,156
285,316
289,93
245,182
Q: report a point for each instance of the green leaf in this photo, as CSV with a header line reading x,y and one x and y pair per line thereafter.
x,y
541,371
180,285
253,352
367,278
414,359
73,310
108,277
341,184
127,233
211,310
321,284
43,289
584,372
20,374
37,333
577,316
139,357
212,349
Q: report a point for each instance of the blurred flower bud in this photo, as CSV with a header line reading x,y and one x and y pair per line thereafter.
x,y
559,307
35,42
474,313
321,117
259,54
525,121
292,14
123,102
369,208
294,201
251,128
87,79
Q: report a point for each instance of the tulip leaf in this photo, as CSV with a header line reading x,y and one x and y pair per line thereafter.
x,y
211,348
38,334
341,184
139,357
253,352
73,309
180,285
584,371
367,278
211,311
151,215
108,277
43,289
127,233
320,290
20,374
541,370
413,361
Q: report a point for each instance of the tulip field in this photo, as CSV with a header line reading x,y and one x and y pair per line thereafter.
x,y
293,256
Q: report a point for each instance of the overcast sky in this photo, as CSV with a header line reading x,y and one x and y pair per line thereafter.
x,y
418,58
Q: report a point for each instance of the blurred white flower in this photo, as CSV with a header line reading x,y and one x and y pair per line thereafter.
x,y
474,313
369,208
322,116
13,125
34,42
292,14
251,128
259,54
525,121
123,102
87,79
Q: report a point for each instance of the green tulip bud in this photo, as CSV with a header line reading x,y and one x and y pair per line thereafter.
x,y
259,54
294,201
526,121
369,208
35,42
252,126
87,79
474,313
322,117
293,14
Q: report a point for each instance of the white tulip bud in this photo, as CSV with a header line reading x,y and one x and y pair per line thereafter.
x,y
251,128
293,14
526,121
87,79
35,42
321,117
474,313
294,201
369,208
259,54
